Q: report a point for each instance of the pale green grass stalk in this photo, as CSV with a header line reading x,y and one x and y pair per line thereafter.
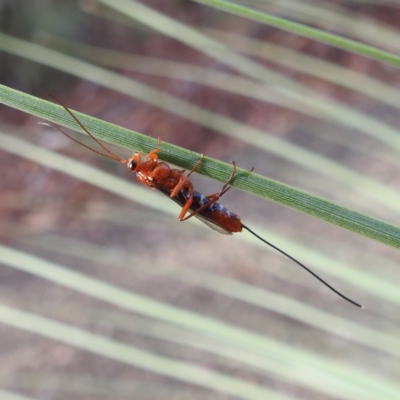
x,y
303,30
310,65
293,91
109,387
247,293
334,377
338,18
134,356
330,110
248,87
8,395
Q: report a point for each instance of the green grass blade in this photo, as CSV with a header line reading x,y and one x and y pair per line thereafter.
x,y
244,180
303,30
248,87
381,193
340,19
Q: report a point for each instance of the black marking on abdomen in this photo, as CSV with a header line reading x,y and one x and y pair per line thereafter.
x,y
199,200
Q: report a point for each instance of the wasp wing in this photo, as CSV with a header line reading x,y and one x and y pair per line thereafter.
x,y
181,199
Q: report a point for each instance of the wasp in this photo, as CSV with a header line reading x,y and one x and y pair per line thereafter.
x,y
175,183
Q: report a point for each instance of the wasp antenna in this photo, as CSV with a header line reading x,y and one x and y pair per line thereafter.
x,y
303,266
77,141
115,156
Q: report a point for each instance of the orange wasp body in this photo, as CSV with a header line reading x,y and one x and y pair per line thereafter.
x,y
176,184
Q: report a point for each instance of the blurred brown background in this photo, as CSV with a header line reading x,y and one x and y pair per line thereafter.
x,y
53,216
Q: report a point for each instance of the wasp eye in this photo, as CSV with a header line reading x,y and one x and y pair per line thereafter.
x,y
132,165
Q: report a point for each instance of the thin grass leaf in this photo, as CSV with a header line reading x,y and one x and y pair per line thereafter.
x,y
303,30
244,86
124,218
295,92
261,139
339,19
244,180
380,287
250,294
134,356
8,395
334,378
104,387
181,71
247,87
219,352
310,65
